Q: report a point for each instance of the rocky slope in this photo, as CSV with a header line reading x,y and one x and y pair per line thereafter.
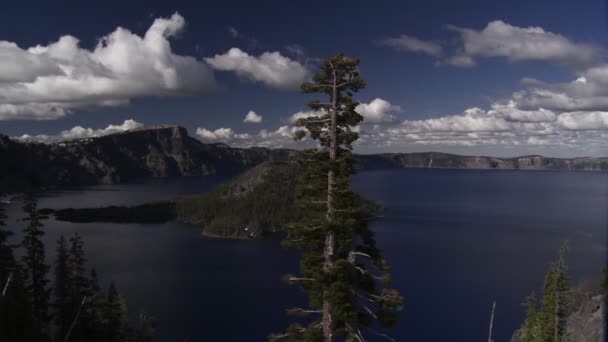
x,y
160,151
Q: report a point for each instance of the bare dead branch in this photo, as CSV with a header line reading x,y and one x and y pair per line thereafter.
x,y
8,281
370,312
296,311
381,335
296,279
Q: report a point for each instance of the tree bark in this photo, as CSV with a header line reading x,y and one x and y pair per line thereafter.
x,y
328,327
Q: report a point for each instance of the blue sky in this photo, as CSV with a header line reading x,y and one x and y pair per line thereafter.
x,y
424,99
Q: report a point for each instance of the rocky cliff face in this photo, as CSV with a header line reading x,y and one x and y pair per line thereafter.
x,y
161,151
445,160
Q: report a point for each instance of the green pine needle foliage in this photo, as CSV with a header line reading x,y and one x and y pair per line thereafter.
x,y
355,284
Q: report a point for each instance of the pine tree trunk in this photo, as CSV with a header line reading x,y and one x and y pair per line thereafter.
x,y
328,252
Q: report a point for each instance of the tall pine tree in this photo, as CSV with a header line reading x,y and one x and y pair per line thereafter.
x,y
62,291
35,268
80,288
76,264
342,270
549,323
116,317
93,313
531,324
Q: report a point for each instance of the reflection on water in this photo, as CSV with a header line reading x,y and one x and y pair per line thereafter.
x,y
457,240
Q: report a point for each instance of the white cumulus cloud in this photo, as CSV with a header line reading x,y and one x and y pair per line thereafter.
x,y
279,138
584,121
305,114
375,112
51,81
220,134
79,132
252,117
512,113
500,39
378,111
270,68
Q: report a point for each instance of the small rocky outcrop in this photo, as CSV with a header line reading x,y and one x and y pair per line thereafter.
x,y
587,324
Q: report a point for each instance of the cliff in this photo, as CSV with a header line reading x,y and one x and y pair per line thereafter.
x,y
160,151
446,160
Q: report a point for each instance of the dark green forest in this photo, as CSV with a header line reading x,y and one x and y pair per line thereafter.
x,y
58,301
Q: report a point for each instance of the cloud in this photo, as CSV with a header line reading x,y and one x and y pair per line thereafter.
x,y
499,39
52,81
270,68
79,132
220,134
252,117
305,114
472,120
378,111
503,125
413,44
279,138
461,61
295,50
584,121
587,92
17,65
233,32
511,113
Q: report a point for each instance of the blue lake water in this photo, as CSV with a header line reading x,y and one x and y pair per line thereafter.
x,y
457,240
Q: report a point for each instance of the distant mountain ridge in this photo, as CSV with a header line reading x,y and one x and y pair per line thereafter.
x,y
168,151
454,161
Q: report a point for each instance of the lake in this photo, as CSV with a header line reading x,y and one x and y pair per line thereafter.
x,y
457,240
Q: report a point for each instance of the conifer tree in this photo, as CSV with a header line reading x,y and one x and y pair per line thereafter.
x,y
76,262
531,323
146,328
562,290
549,323
62,291
115,316
341,265
15,311
93,314
80,288
36,282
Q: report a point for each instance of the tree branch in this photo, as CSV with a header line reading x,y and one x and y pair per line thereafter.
x,y
381,335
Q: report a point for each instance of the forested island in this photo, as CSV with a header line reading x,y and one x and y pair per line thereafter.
x,y
258,202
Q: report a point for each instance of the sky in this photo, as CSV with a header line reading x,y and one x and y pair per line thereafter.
x,y
475,77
